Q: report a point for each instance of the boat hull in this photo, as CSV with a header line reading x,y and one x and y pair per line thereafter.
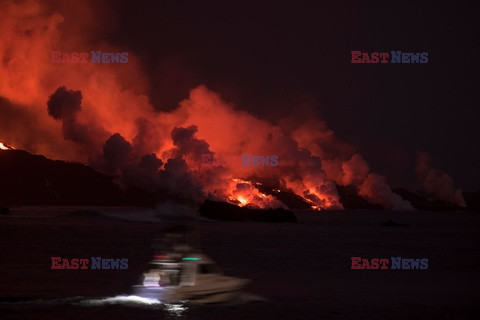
x,y
213,293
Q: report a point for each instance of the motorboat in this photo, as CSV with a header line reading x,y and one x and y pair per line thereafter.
x,y
183,275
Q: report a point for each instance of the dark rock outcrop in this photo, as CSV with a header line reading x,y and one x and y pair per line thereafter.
x,y
351,200
29,179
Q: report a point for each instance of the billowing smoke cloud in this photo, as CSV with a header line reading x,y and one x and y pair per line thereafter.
x,y
144,174
231,132
355,170
150,163
187,145
375,187
65,105
184,176
436,183
31,30
117,151
177,177
146,138
345,167
109,121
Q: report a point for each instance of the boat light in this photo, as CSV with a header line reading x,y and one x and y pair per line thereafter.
x,y
190,259
160,257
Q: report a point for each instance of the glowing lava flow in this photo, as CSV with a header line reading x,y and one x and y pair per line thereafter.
x,y
242,200
5,147
244,193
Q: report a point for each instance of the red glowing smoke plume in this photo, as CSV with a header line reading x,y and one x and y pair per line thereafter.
x,y
100,114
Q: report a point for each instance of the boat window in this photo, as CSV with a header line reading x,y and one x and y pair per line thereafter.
x,y
206,268
188,274
175,275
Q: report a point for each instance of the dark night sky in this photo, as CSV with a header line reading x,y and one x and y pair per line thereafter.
x,y
271,57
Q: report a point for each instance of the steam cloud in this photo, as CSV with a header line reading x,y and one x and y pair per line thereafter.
x,y
108,121
436,183
345,167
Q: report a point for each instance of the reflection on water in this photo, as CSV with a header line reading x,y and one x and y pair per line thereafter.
x,y
176,309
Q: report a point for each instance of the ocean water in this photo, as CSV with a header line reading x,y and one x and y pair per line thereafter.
x,y
297,271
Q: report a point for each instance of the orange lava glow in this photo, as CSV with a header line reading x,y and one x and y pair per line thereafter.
x,y
242,200
244,193
4,147
114,100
